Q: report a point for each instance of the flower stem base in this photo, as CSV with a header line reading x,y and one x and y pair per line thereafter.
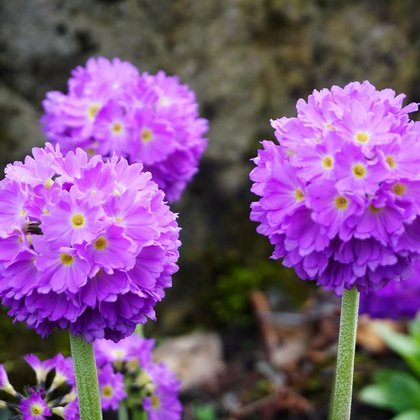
x,y
341,407
86,378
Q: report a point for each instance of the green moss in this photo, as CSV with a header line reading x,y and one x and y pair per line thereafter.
x,y
231,300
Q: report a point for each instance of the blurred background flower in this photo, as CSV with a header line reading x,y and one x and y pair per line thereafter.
x,y
111,108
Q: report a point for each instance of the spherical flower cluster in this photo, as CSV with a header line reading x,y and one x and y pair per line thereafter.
x,y
150,386
53,393
340,193
84,244
397,300
110,107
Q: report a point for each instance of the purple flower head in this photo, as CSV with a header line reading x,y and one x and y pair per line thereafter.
x,y
111,385
339,193
34,407
157,384
397,300
85,244
162,402
126,350
152,119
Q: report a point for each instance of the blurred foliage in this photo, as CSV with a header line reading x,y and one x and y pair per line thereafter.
x,y
204,412
231,298
398,390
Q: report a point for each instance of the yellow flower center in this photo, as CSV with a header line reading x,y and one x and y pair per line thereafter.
x,y
146,135
399,188
299,195
362,137
48,183
22,212
118,354
77,220
143,379
66,259
341,202
374,209
155,402
163,101
327,162
290,152
391,161
37,409
93,111
117,128
107,391
359,171
100,243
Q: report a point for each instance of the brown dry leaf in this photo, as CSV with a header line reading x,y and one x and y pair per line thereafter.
x,y
368,338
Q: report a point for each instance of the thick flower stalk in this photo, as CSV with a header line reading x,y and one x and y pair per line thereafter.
x,y
150,387
85,245
152,119
339,199
397,300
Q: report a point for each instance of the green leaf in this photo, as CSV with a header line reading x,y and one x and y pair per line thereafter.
x,y
139,415
205,412
376,395
404,345
414,329
408,415
398,391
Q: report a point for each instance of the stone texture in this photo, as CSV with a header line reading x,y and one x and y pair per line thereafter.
x,y
196,358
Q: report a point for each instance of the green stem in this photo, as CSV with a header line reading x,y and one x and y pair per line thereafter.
x,y
122,411
139,415
140,330
345,357
86,378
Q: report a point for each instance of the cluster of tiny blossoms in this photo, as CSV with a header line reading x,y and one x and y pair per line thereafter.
x,y
397,300
149,386
84,244
53,394
340,193
152,119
